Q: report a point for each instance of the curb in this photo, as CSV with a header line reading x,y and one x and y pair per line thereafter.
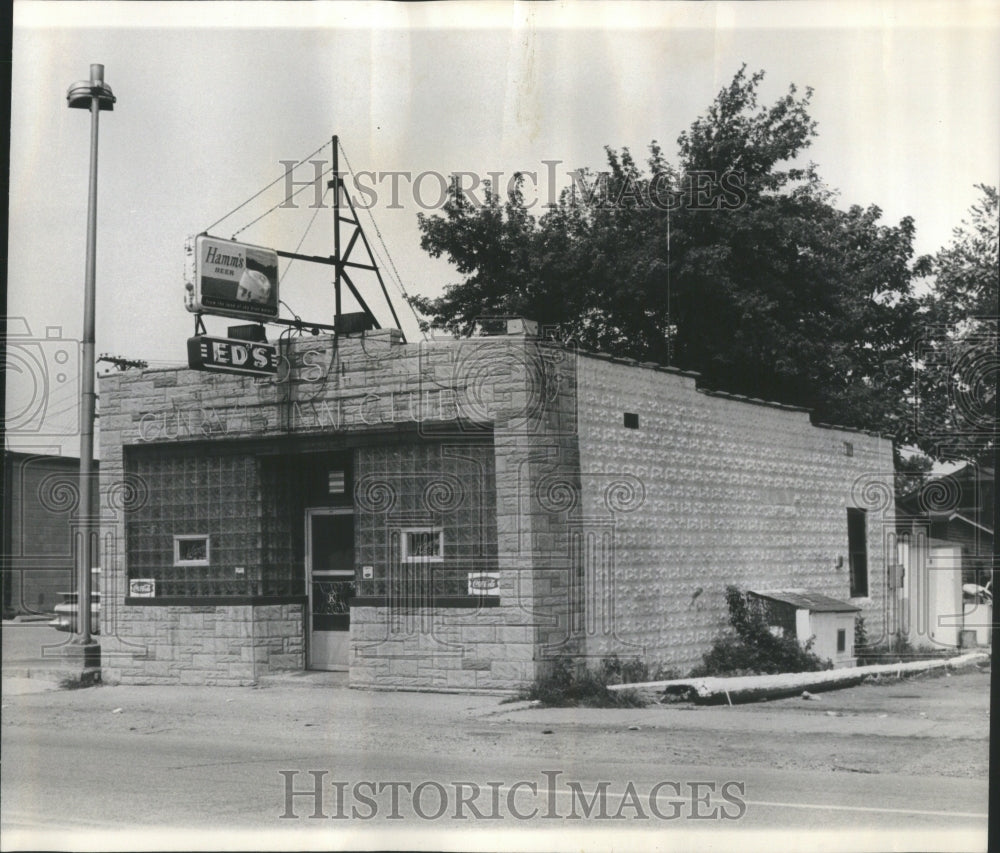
x,y
713,690
39,673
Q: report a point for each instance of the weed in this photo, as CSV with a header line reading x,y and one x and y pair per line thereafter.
x,y
755,650
898,650
78,682
569,683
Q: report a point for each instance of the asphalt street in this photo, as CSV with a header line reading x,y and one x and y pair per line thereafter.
x,y
889,767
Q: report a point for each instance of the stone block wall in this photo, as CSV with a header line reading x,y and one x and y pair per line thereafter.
x,y
716,490
525,392
517,391
224,645
444,648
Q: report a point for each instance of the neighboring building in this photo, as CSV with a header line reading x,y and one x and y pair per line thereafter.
x,y
956,508
945,533
454,514
39,515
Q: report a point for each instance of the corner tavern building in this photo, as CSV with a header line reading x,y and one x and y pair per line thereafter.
x,y
454,514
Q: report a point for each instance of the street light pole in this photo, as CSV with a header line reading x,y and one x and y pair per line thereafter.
x,y
94,95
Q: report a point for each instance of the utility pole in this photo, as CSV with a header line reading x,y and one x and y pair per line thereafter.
x,y
94,95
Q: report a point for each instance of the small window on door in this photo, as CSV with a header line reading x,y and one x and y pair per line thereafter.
x,y
422,544
857,549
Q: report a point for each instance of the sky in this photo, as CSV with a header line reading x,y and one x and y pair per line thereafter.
x,y
212,97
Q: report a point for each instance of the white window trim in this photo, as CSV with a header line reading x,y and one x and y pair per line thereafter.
x,y
192,537
404,534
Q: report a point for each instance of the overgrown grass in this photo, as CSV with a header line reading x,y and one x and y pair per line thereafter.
x,y
570,683
899,650
76,682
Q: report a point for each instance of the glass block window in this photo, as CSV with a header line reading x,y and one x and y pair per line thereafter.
x,y
201,522
425,518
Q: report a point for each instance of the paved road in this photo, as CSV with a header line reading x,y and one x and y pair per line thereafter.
x,y
74,781
97,762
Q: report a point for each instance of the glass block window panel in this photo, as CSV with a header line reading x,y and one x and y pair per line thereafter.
x,y
336,482
424,486
201,522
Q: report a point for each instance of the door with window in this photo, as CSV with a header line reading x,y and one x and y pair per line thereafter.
x,y
330,582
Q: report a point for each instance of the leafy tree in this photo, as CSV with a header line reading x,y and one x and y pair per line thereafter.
x,y
911,472
957,346
735,264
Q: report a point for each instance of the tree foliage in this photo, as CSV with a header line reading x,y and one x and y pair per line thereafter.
x,y
734,263
957,344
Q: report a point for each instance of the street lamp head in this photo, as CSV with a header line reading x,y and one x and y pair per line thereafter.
x,y
80,94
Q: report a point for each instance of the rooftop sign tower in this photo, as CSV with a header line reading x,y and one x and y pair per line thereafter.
x,y
227,278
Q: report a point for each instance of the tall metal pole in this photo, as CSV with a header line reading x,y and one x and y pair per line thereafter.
x,y
100,98
336,230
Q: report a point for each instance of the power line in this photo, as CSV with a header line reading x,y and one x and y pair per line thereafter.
x,y
255,195
280,203
299,246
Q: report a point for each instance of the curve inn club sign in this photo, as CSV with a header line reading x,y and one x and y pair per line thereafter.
x,y
232,280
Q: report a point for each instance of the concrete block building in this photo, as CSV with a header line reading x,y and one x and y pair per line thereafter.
x,y
455,514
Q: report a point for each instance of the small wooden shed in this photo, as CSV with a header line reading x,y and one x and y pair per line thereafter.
x,y
807,614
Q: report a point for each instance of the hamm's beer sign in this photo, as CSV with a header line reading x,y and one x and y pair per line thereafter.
x,y
227,355
231,279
